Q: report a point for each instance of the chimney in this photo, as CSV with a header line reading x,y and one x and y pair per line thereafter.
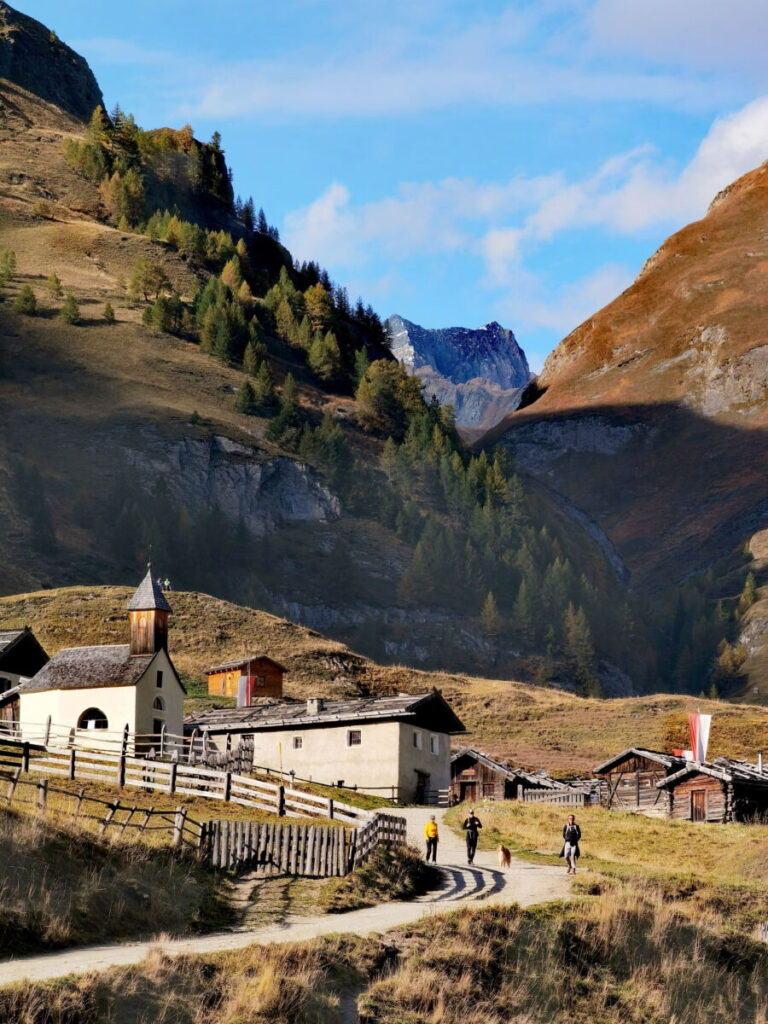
x,y
315,705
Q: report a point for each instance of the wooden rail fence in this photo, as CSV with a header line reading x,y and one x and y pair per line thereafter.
x,y
75,808
313,850
574,798
171,777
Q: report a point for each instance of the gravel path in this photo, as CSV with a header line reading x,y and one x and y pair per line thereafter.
x,y
482,884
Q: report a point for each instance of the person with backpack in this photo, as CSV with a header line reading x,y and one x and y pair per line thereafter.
x,y
472,826
432,836
571,837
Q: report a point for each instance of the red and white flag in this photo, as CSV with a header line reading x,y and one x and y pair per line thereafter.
x,y
698,726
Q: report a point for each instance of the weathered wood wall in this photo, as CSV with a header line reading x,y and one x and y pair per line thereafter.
x,y
631,785
717,804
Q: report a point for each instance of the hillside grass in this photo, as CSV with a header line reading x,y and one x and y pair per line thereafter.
x,y
60,886
627,957
532,726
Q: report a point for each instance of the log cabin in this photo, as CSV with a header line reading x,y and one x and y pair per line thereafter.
x,y
723,791
247,679
631,778
476,776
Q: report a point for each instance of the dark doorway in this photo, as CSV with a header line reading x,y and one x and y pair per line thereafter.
x,y
422,784
698,805
468,791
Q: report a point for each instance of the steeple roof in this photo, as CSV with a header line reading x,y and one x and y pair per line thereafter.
x,y
149,596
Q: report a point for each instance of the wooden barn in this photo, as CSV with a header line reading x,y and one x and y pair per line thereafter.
x,y
21,656
475,776
631,778
725,790
246,679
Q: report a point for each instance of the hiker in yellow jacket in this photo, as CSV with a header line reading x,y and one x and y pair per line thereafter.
x,y
432,837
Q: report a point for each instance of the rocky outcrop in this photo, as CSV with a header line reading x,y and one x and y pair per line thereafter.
x,y
481,372
262,493
34,58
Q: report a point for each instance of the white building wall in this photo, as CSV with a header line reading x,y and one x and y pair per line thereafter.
x,y
66,706
170,693
326,756
385,758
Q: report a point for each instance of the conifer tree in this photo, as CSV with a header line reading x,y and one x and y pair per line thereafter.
x,y
490,619
70,311
748,593
250,360
53,284
264,387
579,652
25,302
362,362
245,399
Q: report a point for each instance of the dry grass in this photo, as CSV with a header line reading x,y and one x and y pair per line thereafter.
x,y
628,957
532,726
59,887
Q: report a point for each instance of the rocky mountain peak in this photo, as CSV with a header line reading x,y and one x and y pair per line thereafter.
x,y
34,58
480,371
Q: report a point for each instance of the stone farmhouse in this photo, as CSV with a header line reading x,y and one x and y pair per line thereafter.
x,y
110,686
390,746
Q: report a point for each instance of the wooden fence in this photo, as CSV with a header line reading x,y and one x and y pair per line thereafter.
x,y
174,777
563,798
104,817
314,850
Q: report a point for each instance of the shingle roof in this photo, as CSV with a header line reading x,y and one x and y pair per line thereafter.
x,y
667,760
723,768
8,637
76,668
507,770
290,713
237,662
148,596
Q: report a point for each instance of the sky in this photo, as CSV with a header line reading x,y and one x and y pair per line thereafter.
x,y
454,161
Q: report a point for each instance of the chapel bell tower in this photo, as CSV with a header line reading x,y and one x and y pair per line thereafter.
x,y
148,612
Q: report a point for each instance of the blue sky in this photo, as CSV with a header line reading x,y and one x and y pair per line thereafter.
x,y
455,161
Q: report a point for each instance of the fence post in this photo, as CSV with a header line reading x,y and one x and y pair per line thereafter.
x,y
120,777
281,800
172,777
72,764
111,811
178,825
47,738
42,795
227,786
330,807
124,744
78,803
12,786
25,757
191,754
162,740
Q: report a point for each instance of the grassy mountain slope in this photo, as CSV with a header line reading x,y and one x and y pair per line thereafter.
x,y
533,726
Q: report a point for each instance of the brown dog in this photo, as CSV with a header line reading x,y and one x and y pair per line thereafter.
x,y
505,856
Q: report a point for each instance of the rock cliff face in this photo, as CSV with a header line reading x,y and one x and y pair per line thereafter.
x,y
34,58
479,372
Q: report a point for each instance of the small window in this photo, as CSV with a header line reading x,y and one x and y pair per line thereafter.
x,y
434,744
298,742
354,737
261,681
489,790
158,704
159,678
417,739
92,718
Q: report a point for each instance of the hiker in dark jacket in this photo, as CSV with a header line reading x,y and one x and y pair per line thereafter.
x,y
571,837
472,826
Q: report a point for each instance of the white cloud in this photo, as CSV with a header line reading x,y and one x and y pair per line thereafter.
x,y
706,35
529,304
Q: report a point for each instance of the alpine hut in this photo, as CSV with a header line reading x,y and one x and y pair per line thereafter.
x,y
631,778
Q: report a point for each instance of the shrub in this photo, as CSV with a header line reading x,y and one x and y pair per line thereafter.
x,y
53,284
70,311
398,873
109,313
25,302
